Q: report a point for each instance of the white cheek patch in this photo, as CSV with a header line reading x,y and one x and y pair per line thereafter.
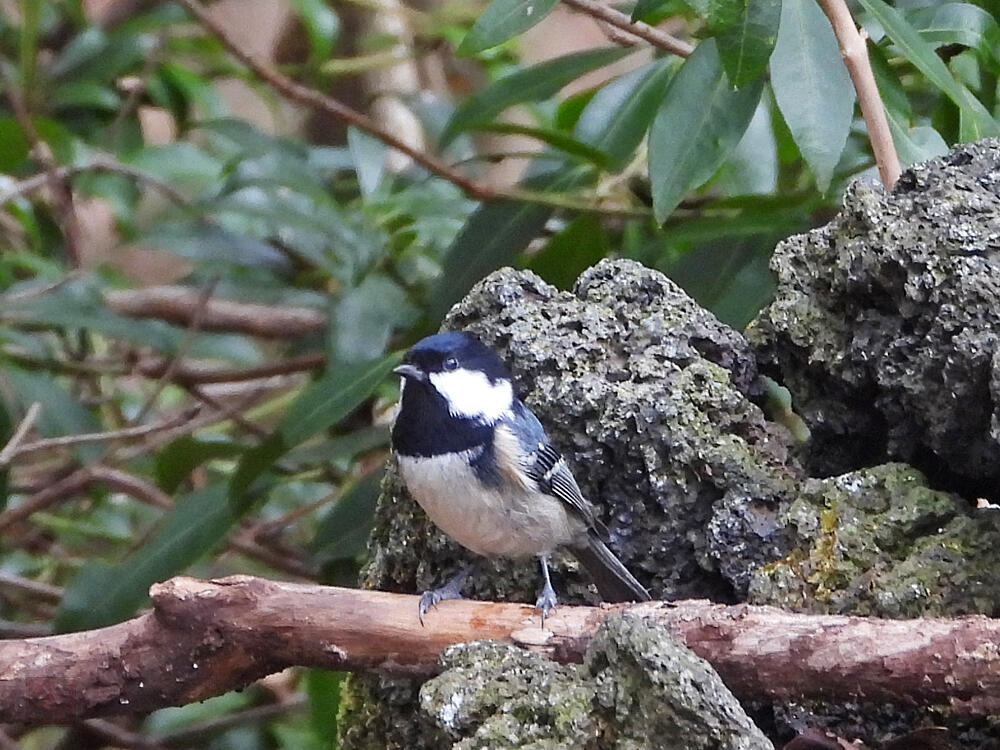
x,y
471,394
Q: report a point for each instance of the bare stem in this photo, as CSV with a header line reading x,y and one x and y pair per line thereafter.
x,y
11,449
854,50
617,19
8,454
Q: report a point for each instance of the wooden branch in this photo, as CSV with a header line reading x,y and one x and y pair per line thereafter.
x,y
854,50
617,19
204,638
179,304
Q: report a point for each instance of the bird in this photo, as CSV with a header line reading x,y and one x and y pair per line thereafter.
x,y
480,464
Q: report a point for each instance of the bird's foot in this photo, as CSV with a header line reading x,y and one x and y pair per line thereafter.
x,y
546,601
451,590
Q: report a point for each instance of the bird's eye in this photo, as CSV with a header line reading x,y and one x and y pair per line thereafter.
x,y
451,363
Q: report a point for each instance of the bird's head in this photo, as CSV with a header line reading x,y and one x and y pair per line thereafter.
x,y
471,379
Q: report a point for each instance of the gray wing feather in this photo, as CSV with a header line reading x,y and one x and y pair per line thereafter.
x,y
548,468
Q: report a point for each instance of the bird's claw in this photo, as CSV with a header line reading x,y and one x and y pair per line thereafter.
x,y
451,590
546,602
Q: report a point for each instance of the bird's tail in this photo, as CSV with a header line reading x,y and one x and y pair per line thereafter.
x,y
613,580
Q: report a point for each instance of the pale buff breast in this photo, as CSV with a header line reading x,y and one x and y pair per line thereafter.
x,y
515,522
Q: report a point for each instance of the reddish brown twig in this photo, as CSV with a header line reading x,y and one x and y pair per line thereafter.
x,y
317,100
207,637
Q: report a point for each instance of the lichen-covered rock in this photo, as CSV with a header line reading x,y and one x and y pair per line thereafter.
x,y
654,692
879,542
638,688
494,696
886,321
647,396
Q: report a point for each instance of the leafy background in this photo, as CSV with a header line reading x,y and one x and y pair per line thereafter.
x,y
124,164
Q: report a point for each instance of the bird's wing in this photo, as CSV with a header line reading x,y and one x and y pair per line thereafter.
x,y
547,467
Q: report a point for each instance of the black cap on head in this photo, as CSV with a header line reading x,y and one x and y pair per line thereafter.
x,y
453,350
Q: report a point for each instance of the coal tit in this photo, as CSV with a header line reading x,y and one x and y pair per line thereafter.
x,y
479,463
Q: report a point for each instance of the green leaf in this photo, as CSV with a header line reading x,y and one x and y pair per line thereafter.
x,y
958,23
976,120
617,117
365,317
812,87
698,124
531,84
648,10
102,594
746,45
343,533
493,236
79,304
322,404
84,95
61,414
322,689
570,252
322,26
503,20
13,146
369,155
180,457
752,168
555,138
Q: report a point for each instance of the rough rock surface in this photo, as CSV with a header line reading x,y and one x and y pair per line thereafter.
x,y
646,394
638,688
885,324
878,542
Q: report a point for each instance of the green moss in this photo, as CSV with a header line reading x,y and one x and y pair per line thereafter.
x,y
880,542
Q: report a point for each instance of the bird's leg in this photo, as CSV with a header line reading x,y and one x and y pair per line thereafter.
x,y
547,598
451,590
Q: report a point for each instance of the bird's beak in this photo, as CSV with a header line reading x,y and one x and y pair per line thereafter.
x,y
411,372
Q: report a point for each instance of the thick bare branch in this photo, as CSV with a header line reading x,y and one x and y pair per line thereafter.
x,y
207,637
179,304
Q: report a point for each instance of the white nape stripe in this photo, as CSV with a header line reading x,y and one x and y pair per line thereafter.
x,y
470,394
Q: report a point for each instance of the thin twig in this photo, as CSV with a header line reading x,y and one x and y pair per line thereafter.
x,y
62,196
189,336
296,92
854,50
125,433
10,450
656,37
190,373
65,487
43,591
102,164
197,734
131,485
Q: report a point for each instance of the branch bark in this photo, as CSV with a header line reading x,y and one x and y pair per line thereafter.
x,y
179,304
204,638
616,19
854,50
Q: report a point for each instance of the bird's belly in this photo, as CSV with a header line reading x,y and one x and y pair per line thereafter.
x,y
507,522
